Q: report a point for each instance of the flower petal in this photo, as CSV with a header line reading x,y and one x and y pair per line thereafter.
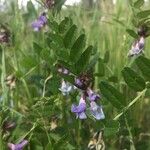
x,y
19,146
82,115
78,82
92,96
78,109
97,111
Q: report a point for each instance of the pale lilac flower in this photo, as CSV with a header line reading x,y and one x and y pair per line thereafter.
x,y
137,47
19,146
80,109
92,95
40,22
96,111
66,88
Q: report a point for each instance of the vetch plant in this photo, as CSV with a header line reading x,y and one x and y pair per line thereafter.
x,y
70,83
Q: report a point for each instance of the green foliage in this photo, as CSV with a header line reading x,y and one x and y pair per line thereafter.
x,y
106,57
143,64
133,79
111,128
112,95
70,36
138,3
83,61
132,33
143,14
77,48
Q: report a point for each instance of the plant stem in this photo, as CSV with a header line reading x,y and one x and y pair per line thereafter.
x,y
132,147
3,76
130,104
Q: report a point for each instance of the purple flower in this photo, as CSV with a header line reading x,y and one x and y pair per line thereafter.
x,y
92,95
96,111
80,109
137,47
19,146
40,22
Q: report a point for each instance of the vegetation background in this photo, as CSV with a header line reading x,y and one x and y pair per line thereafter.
x,y
40,112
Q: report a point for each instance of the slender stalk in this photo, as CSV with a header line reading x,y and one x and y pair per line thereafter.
x,y
44,87
78,134
24,136
130,104
26,88
3,76
132,146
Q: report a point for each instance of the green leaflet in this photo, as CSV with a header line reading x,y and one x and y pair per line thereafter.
x,y
70,36
143,14
138,3
106,57
111,128
37,48
64,25
77,48
133,80
143,64
131,33
116,98
84,60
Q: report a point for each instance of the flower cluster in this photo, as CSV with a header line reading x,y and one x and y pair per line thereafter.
x,y
82,82
138,45
40,22
95,109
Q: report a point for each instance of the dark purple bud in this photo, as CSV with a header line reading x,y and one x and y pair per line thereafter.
x,y
83,81
19,146
80,109
142,31
92,95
